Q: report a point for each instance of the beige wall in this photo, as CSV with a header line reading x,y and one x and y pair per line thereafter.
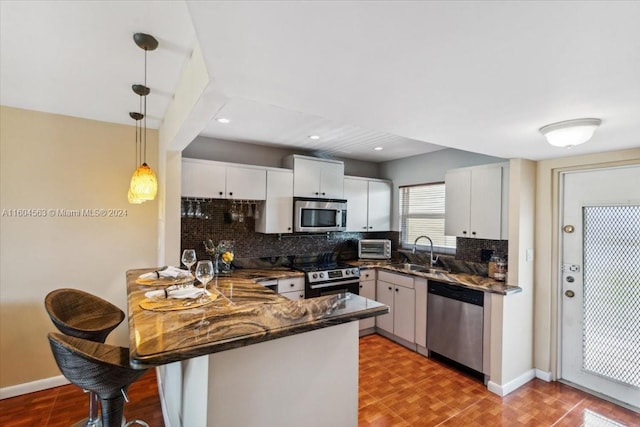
x,y
546,237
57,162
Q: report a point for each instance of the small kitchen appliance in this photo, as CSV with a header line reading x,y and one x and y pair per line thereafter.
x,y
319,215
374,249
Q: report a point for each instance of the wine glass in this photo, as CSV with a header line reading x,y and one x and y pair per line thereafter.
x,y
204,273
189,258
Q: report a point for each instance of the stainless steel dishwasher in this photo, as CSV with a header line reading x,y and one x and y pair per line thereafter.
x,y
455,323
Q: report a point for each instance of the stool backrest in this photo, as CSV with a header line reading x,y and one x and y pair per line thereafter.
x,y
81,314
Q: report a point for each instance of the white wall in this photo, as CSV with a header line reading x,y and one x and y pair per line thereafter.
x,y
57,162
262,155
427,168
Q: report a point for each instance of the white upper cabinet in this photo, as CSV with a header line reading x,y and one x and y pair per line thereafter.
x,y
476,201
368,204
216,180
277,210
314,177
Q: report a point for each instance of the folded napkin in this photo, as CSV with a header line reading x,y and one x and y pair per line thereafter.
x,y
170,272
180,293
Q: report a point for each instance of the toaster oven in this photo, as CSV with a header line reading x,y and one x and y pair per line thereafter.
x,y
374,249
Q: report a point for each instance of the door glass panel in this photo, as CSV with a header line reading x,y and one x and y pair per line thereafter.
x,y
611,327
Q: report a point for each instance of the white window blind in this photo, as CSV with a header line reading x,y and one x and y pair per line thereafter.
x,y
422,214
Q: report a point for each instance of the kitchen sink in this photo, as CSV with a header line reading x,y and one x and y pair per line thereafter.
x,y
417,267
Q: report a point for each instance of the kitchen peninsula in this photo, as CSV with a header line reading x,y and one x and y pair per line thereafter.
x,y
252,357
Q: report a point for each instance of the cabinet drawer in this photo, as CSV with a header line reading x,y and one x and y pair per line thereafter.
x,y
294,296
397,279
367,274
291,285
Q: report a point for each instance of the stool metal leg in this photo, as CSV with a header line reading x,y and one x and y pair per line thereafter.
x,y
94,419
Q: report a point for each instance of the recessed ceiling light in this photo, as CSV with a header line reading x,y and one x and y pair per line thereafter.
x,y
314,137
223,120
378,148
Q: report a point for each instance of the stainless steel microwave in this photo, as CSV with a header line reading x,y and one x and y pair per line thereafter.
x,y
319,215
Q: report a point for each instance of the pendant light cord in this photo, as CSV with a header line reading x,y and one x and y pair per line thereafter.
x,y
145,107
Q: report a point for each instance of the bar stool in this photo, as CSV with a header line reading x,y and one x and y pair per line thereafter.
x,y
101,368
83,315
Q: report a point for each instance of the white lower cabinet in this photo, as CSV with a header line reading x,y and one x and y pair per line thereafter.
x,y
397,291
292,288
420,286
368,290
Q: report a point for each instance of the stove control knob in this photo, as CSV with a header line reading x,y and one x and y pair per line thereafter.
x,y
347,272
321,275
314,275
354,271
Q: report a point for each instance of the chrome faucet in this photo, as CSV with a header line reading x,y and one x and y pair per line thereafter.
x,y
432,260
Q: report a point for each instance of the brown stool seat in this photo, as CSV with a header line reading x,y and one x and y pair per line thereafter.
x,y
101,368
81,314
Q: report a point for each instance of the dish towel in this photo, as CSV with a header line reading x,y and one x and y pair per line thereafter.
x,y
168,272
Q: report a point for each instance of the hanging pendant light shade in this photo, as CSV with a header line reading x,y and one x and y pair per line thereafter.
x,y
144,184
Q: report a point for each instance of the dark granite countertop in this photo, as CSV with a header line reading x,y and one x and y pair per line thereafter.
x,y
470,281
245,313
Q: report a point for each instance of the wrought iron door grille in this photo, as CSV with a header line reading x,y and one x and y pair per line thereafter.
x,y
611,307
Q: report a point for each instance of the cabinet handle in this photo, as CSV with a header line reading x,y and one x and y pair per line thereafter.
x,y
231,193
316,193
221,193
292,285
473,232
365,227
301,296
464,231
288,228
323,193
396,289
390,288
370,227
360,286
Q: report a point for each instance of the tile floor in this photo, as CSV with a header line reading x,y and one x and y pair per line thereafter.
x,y
397,388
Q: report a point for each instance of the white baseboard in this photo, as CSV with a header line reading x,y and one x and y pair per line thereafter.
x,y
544,375
20,389
504,389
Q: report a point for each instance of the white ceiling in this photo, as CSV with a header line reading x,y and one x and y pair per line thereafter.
x,y
411,77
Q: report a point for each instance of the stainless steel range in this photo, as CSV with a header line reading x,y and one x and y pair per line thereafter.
x,y
325,278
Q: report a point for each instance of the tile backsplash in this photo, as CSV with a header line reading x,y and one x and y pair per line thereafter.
x,y
210,219
214,222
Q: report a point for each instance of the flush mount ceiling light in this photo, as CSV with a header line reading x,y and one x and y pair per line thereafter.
x,y
570,132
144,184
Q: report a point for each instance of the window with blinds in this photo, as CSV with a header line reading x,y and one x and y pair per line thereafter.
x,y
422,214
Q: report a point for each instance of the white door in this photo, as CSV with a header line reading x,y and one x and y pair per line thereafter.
x,y
600,281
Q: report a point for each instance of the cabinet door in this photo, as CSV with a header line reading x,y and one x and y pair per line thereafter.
x,y
246,183
277,210
306,178
404,313
485,217
368,290
202,179
457,203
355,191
332,180
384,294
379,206
421,311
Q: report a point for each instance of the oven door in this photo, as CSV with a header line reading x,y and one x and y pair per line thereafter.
x,y
331,288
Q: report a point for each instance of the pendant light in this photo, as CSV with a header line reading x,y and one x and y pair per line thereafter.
x,y
144,184
137,117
